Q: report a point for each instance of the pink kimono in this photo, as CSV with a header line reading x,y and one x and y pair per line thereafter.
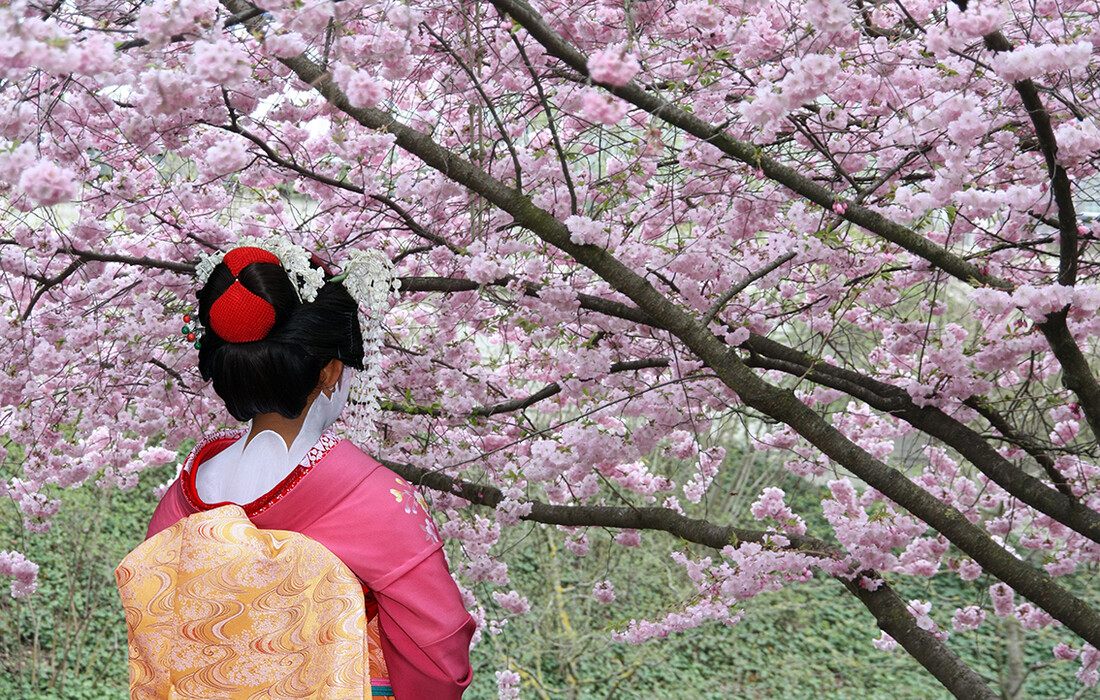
x,y
377,524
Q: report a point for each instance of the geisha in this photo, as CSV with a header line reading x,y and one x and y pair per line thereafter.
x,y
283,561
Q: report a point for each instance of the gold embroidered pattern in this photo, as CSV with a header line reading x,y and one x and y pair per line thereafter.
x,y
217,608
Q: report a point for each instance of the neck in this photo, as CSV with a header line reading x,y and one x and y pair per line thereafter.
x,y
286,428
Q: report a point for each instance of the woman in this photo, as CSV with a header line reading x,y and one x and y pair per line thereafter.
x,y
285,364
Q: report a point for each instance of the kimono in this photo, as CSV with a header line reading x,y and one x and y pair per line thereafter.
x,y
377,525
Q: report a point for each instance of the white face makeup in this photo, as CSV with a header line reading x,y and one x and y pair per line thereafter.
x,y
326,409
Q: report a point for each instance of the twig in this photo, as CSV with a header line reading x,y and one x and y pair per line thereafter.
x,y
742,285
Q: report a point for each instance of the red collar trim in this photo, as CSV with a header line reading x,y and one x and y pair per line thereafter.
x,y
216,442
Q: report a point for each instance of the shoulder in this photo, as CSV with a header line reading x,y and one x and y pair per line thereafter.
x,y
379,495
179,500
373,478
341,456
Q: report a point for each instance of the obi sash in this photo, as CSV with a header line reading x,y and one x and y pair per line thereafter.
x,y
218,608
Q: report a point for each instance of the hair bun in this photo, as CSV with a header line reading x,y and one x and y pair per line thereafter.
x,y
238,315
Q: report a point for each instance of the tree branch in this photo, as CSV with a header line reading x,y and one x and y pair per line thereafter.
x,y
239,18
519,404
488,104
173,373
1059,178
694,530
47,284
742,285
1077,376
414,225
573,208
934,422
1002,426
554,388
896,620
184,267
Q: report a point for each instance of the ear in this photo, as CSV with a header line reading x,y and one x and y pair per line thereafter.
x,y
330,374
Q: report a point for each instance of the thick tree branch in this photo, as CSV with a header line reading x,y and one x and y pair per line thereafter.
x,y
895,619
694,530
1059,178
1076,373
970,444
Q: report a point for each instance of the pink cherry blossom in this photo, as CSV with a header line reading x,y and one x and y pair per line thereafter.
x,y
508,685
226,156
885,642
1003,599
362,88
1089,673
604,591
48,184
602,108
220,62
629,538
967,618
613,66
512,601
1029,61
24,573
770,505
1065,652
585,231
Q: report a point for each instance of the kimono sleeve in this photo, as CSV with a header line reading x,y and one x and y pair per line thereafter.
x,y
172,508
426,632
383,532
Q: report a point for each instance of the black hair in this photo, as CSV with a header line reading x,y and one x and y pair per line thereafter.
x,y
277,373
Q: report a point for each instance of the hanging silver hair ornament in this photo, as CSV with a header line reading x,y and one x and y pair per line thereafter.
x,y
368,276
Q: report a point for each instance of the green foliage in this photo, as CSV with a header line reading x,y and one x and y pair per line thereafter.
x,y
68,640
810,641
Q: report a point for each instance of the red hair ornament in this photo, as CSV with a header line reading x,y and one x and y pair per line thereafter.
x,y
238,315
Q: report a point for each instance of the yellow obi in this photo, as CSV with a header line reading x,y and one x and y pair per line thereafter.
x,y
218,608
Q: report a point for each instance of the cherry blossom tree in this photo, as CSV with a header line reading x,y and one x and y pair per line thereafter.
x,y
856,229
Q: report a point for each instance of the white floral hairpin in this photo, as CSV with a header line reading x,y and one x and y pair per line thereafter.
x,y
294,258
